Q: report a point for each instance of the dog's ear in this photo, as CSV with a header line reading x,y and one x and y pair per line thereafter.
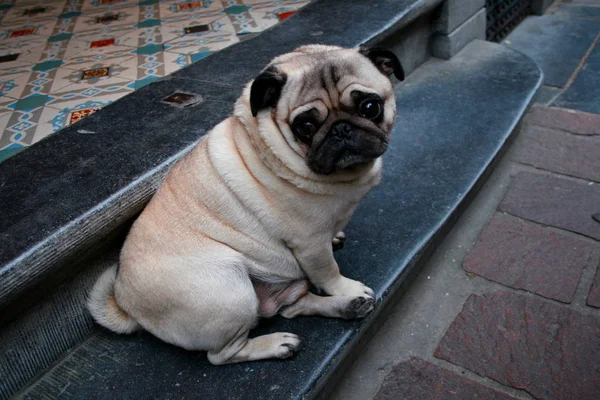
x,y
384,60
266,89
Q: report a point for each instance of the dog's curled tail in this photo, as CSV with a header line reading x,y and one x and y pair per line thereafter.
x,y
104,308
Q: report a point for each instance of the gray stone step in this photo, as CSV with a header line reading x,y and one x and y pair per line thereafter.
x,y
454,119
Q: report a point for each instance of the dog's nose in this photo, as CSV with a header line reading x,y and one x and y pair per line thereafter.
x,y
341,130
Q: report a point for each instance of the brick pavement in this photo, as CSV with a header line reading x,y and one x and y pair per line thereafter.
x,y
593,299
535,337
418,379
548,350
522,255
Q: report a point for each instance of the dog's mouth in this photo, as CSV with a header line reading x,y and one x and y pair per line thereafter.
x,y
341,152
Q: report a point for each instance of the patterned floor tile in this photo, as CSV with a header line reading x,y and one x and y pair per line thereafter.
x,y
27,31
96,5
149,68
71,111
99,46
189,9
153,35
5,138
44,124
201,29
20,54
10,151
38,84
117,72
266,15
33,12
79,93
9,145
21,127
4,104
175,61
124,17
255,2
13,85
200,45
121,60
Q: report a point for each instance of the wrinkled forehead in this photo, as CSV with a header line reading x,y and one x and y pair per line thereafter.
x,y
329,75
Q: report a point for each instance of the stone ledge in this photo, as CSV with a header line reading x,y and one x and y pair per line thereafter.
x,y
430,175
446,46
455,12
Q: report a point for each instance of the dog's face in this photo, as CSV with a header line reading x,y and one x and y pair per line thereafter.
x,y
335,107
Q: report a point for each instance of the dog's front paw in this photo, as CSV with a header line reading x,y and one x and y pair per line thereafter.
x,y
342,286
358,307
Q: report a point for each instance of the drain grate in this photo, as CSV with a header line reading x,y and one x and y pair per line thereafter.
x,y
504,15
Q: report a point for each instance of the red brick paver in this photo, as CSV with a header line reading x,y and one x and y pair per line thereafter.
x,y
567,120
525,256
418,379
594,295
553,201
548,350
559,152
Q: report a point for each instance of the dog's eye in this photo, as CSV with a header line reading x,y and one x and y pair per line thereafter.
x,y
370,108
304,130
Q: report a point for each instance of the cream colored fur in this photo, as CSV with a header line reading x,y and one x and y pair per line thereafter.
x,y
242,206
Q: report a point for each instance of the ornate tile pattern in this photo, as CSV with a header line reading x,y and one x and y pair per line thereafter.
x,y
61,60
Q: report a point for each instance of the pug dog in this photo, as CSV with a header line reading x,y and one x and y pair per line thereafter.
x,y
244,221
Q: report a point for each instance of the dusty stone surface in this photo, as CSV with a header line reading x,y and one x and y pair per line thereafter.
x,y
530,257
553,201
550,351
581,123
560,152
594,296
418,379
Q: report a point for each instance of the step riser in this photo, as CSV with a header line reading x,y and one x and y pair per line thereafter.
x,y
45,332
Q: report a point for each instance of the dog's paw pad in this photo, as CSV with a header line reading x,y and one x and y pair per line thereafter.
x,y
288,345
358,307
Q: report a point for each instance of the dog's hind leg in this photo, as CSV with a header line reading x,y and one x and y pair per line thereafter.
x,y
240,349
347,307
205,303
275,345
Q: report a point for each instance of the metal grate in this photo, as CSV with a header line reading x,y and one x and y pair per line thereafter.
x,y
504,15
